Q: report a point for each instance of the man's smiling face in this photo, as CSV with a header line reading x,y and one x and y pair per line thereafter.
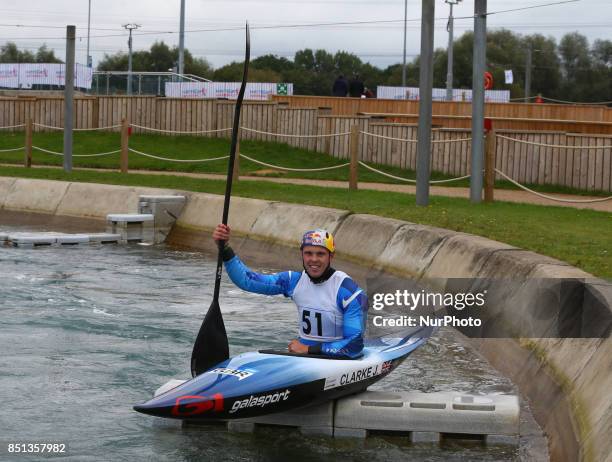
x,y
316,260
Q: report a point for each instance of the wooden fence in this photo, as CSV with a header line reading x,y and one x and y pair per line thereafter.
x,y
457,114
544,162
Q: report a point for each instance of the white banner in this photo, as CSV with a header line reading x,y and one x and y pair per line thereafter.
x,y
509,76
257,91
25,75
439,94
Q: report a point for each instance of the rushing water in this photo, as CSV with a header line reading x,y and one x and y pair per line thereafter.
x,y
87,332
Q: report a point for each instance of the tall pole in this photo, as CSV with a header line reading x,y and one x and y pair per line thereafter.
x,y
89,60
405,27
130,28
425,97
68,97
181,63
449,65
528,73
480,55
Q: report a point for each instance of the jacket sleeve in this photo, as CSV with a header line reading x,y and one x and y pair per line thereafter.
x,y
266,284
354,302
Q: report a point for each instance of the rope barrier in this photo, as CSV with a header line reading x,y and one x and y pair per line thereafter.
x,y
412,140
13,126
12,149
552,198
294,169
195,132
409,180
560,146
109,127
246,129
55,153
175,160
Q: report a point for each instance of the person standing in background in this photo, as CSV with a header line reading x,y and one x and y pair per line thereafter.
x,y
356,87
340,87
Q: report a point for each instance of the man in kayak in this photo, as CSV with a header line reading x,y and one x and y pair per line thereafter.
x,y
332,308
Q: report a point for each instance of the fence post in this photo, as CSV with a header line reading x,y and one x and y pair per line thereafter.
x,y
27,161
124,145
354,148
237,159
490,145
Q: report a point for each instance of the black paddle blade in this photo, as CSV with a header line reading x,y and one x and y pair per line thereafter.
x,y
211,346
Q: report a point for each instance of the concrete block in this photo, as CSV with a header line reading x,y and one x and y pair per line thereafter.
x,y
39,196
132,227
364,237
350,432
204,211
97,200
429,412
412,248
104,238
317,419
424,437
6,184
131,217
32,240
165,209
286,223
509,440
72,239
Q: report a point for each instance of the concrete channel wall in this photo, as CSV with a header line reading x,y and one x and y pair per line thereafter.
x,y
567,380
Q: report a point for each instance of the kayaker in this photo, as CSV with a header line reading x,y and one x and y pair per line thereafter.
x,y
332,308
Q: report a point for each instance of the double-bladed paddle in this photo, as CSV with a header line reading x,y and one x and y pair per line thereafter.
x,y
211,346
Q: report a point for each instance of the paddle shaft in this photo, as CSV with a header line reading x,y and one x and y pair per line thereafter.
x,y
211,345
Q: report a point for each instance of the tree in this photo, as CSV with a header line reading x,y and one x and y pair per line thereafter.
x,y
159,58
45,55
9,53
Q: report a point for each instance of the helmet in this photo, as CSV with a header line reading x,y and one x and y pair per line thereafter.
x,y
319,238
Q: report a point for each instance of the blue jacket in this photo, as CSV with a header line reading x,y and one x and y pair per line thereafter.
x,y
354,313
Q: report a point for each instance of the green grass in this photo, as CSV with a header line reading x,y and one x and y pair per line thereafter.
x,y
189,147
580,237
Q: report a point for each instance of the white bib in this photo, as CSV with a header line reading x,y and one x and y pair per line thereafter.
x,y
319,317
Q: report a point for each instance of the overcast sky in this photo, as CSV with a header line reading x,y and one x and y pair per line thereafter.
x,y
381,44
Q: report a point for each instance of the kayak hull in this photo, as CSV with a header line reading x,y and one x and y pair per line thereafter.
x,y
259,383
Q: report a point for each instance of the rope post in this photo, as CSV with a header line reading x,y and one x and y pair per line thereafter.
x,y
27,161
125,127
237,161
354,148
490,146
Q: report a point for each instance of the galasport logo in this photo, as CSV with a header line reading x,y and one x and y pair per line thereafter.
x,y
191,405
260,401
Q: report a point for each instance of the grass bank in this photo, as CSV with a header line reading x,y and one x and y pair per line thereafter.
x,y
579,237
195,147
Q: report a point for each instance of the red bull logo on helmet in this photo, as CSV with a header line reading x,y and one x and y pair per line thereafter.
x,y
319,238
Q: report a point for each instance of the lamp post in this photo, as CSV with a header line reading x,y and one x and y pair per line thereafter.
x,y
89,60
449,67
130,27
181,62
405,26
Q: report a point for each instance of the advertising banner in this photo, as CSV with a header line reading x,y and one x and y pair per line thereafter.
x,y
254,91
25,75
439,94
